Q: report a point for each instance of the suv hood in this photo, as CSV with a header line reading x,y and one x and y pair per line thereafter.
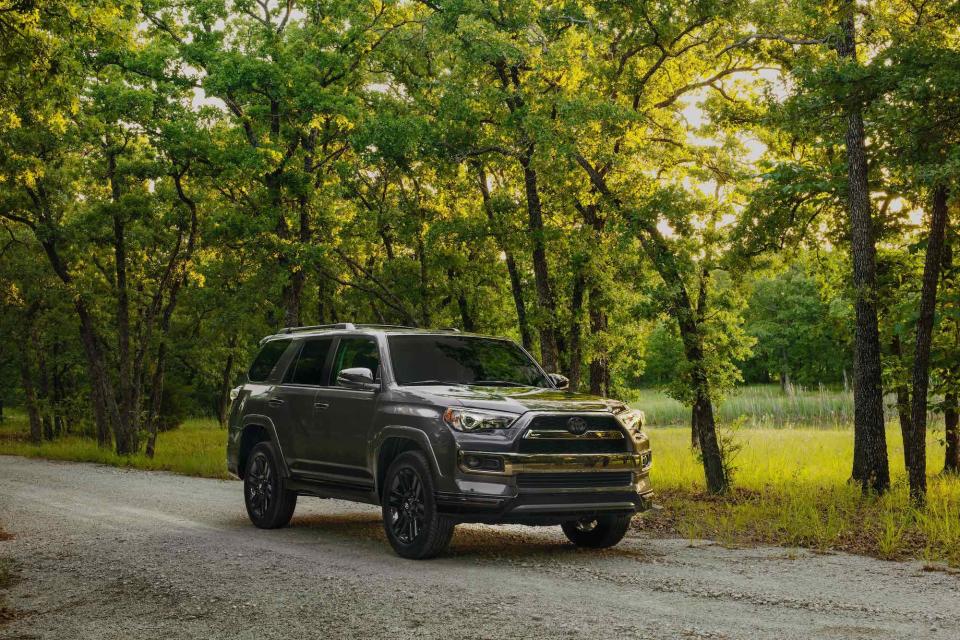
x,y
514,399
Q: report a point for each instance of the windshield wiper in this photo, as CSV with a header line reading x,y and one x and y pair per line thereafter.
x,y
497,383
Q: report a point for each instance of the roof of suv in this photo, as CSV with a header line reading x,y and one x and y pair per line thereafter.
x,y
359,328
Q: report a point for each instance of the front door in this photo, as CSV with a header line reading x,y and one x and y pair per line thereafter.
x,y
348,414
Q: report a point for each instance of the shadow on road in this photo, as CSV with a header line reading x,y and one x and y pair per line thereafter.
x,y
469,541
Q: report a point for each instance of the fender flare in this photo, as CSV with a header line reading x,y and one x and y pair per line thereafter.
x,y
406,433
262,421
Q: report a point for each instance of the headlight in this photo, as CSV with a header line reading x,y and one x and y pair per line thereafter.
x,y
632,420
477,419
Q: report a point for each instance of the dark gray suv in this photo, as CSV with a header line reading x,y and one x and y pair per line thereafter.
x,y
437,427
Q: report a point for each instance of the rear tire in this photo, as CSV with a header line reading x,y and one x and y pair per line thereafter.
x,y
269,504
597,532
410,519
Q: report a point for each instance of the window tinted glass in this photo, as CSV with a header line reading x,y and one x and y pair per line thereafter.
x,y
462,360
356,352
266,360
308,368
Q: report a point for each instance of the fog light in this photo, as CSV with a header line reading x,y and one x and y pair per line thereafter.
x,y
474,462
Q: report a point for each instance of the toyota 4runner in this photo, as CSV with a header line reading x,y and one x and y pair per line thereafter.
x,y
436,427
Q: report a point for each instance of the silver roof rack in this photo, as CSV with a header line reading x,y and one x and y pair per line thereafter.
x,y
347,326
386,326
342,325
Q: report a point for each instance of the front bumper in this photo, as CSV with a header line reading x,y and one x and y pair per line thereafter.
x,y
495,496
540,508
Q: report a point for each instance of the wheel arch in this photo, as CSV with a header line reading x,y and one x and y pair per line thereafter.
x,y
255,431
394,441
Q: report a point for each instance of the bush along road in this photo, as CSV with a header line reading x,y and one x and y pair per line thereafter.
x,y
101,552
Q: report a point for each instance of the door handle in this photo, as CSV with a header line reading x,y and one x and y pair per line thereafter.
x,y
321,405
275,402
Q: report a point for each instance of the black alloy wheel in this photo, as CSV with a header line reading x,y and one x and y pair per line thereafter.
x,y
411,521
269,504
405,504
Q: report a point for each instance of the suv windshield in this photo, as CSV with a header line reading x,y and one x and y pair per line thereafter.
x,y
427,359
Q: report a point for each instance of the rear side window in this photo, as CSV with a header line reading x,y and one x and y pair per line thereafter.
x,y
309,366
266,360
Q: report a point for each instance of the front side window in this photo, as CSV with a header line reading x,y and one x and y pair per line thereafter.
x,y
356,352
266,360
308,369
425,359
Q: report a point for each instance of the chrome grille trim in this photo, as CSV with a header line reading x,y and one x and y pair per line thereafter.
x,y
561,434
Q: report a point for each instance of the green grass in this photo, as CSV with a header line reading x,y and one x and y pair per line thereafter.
x,y
790,486
791,489
762,405
196,448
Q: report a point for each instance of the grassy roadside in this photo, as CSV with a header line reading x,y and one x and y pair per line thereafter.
x,y
791,488
196,448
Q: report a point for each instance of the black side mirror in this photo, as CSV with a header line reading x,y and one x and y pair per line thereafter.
x,y
357,378
559,381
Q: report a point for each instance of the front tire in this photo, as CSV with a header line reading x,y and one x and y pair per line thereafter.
x,y
597,532
410,519
269,504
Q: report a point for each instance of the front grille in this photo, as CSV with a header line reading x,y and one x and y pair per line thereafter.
x,y
586,443
574,480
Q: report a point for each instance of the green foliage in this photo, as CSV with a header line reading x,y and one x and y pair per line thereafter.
x,y
656,188
796,334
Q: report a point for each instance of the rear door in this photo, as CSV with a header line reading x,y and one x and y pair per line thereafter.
x,y
348,414
296,399
263,386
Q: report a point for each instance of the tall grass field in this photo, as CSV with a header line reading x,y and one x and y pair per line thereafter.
x,y
763,406
790,478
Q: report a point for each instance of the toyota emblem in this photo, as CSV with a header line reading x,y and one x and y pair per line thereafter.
x,y
577,426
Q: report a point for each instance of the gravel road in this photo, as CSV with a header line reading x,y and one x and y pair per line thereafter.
x,y
109,553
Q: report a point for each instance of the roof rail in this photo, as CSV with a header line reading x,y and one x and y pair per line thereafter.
x,y
342,325
386,326
451,329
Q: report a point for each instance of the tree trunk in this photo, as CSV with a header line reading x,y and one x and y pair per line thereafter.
x,y
549,348
100,419
298,275
463,305
126,433
326,309
516,286
924,338
106,411
59,395
703,423
870,466
156,400
223,397
43,391
599,369
902,392
30,398
951,427
424,280
576,311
